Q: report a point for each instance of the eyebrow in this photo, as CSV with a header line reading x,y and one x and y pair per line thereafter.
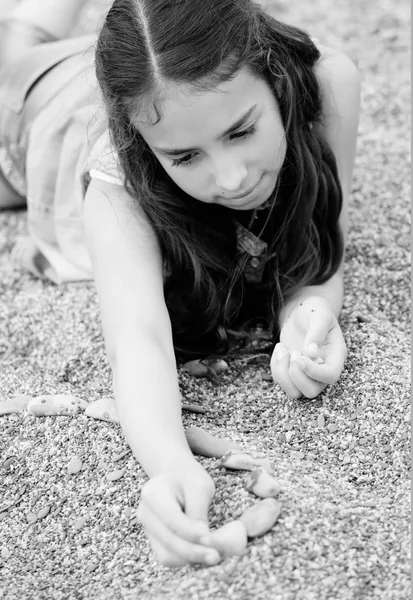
x,y
239,123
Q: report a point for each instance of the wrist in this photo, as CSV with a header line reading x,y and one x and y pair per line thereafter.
x,y
315,301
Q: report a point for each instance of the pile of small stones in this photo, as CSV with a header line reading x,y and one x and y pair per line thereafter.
x,y
230,539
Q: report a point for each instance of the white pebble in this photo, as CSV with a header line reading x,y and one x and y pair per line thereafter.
x,y
103,409
230,539
204,444
56,405
261,517
245,461
262,484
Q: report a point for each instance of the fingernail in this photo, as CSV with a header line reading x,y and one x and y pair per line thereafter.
x,y
212,558
280,352
312,348
295,355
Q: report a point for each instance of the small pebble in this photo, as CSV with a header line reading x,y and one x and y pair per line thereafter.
x,y
128,512
56,405
43,512
332,427
92,567
5,553
289,426
75,465
197,368
314,424
241,460
218,365
14,405
122,455
9,462
261,517
115,475
262,484
3,515
195,408
288,436
204,444
103,409
321,420
79,523
31,517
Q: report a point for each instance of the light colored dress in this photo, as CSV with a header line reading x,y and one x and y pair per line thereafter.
x,y
53,139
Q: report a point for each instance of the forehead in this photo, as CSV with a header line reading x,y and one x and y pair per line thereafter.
x,y
187,114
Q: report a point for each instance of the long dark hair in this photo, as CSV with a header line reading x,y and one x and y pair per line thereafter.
x,y
206,42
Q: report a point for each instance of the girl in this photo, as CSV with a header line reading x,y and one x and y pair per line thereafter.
x,y
213,190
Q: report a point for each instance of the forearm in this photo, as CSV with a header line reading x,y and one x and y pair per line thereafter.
x,y
149,404
332,291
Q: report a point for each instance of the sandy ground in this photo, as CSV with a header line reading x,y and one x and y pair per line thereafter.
x,y
344,528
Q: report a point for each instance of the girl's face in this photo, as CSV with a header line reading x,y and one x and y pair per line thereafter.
x,y
224,146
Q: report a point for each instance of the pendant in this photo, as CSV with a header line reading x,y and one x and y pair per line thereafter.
x,y
257,250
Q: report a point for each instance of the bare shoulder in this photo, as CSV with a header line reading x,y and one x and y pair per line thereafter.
x,y
340,83
339,79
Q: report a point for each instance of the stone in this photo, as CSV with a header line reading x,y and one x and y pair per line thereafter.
x,y
75,465
31,517
321,420
56,405
262,484
115,475
9,462
79,523
218,365
241,460
197,368
230,539
261,517
43,512
14,405
204,444
103,409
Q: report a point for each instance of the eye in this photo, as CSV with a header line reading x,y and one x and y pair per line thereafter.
x,y
183,160
243,134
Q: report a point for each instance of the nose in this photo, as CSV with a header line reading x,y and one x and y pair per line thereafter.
x,y
230,176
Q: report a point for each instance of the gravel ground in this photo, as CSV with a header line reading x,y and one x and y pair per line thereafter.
x,y
344,529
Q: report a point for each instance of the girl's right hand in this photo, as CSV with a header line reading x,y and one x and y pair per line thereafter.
x,y
174,512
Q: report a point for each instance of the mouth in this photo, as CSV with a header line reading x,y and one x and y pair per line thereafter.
x,y
244,194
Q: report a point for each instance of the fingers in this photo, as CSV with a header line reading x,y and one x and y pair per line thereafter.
x,y
308,387
320,324
324,373
280,365
198,499
165,508
173,551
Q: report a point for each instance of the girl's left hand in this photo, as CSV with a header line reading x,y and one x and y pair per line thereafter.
x,y
311,352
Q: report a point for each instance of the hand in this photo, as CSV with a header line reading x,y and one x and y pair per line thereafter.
x,y
174,512
311,352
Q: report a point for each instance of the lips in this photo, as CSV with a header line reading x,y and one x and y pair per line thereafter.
x,y
243,195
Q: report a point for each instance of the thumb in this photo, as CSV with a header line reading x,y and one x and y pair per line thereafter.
x,y
197,501
320,324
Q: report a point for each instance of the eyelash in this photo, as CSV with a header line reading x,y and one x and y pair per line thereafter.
x,y
184,161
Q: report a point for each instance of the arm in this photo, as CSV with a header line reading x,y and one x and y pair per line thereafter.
x,y
308,322
128,271
340,89
127,266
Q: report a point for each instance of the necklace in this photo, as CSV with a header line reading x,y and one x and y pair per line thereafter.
x,y
253,247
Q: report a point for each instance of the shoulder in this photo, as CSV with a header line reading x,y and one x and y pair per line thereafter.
x,y
339,80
